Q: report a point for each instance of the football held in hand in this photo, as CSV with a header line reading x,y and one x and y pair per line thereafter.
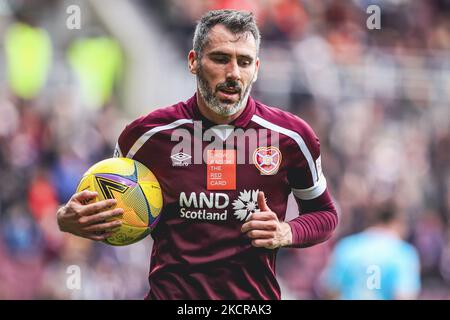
x,y
136,190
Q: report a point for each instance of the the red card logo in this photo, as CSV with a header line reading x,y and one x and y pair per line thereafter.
x,y
267,160
221,170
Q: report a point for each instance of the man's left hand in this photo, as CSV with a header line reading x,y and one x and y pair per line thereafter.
x,y
264,228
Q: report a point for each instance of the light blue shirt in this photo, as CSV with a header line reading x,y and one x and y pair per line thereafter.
x,y
373,264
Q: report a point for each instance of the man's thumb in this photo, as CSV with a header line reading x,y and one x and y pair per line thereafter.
x,y
262,205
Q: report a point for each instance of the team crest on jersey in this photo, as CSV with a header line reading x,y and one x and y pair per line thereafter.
x,y
267,160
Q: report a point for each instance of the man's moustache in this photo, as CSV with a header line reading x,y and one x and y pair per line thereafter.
x,y
229,85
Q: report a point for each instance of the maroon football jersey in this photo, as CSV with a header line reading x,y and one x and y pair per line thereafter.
x,y
210,176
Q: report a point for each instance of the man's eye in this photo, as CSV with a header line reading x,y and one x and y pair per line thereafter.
x,y
220,59
245,63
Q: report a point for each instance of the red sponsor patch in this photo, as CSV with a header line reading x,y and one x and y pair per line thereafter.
x,y
221,170
267,160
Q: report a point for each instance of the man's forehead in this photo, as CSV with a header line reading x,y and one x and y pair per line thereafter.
x,y
220,37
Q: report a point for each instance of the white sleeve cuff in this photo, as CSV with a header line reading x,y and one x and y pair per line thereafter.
x,y
312,192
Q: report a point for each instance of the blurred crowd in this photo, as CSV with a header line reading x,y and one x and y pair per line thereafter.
x,y
58,116
379,100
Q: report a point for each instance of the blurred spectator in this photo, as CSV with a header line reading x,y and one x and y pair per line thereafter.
x,y
28,59
97,62
376,263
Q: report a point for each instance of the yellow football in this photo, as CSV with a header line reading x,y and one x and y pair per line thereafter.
x,y
136,190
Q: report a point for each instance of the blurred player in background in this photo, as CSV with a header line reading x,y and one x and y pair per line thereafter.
x,y
376,263
219,233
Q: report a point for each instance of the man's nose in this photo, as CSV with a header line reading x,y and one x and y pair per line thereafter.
x,y
233,72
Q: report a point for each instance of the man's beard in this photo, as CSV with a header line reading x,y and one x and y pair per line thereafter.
x,y
211,100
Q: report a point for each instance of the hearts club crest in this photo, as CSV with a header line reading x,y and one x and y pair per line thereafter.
x,y
267,160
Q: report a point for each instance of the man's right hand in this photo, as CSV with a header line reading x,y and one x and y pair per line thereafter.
x,y
91,221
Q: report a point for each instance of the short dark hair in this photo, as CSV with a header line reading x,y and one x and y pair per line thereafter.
x,y
234,20
386,212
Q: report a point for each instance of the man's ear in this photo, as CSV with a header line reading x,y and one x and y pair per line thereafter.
x,y
192,61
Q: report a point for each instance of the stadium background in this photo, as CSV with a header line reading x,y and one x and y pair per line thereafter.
x,y
378,99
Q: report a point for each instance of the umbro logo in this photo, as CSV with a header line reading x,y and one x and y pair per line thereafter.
x,y
181,159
